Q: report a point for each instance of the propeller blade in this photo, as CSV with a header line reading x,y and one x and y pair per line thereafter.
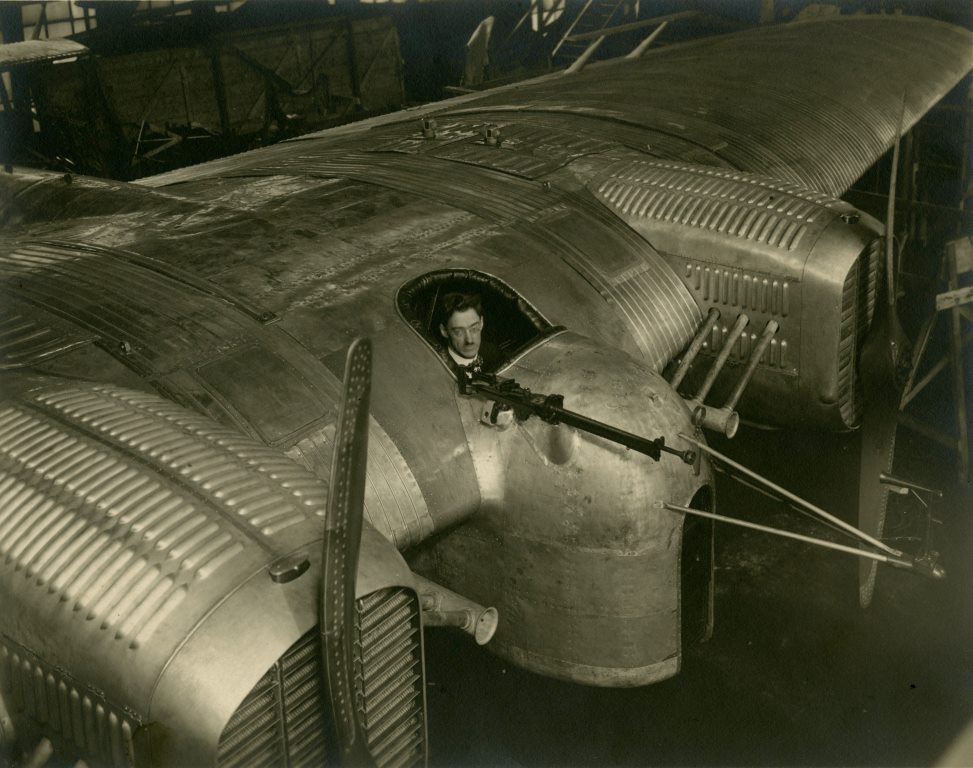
x,y
884,347
342,541
890,273
885,342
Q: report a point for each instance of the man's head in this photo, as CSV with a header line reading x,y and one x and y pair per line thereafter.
x,y
462,323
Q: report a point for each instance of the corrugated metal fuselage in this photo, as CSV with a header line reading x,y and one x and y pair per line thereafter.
x,y
242,309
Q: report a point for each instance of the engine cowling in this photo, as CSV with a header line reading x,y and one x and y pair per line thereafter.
x,y
747,244
160,588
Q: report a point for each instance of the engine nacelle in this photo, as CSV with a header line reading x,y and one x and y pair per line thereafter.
x,y
773,251
160,584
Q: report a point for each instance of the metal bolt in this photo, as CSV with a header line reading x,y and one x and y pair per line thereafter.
x,y
289,568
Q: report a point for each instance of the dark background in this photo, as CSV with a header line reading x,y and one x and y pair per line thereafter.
x,y
796,673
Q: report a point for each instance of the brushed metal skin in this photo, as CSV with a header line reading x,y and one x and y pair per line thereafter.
x,y
784,101
748,206
156,339
135,543
322,231
165,321
547,524
394,503
29,335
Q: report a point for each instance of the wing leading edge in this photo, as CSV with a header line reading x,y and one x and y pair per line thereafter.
x,y
815,103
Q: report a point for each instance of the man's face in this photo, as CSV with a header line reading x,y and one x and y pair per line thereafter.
x,y
463,332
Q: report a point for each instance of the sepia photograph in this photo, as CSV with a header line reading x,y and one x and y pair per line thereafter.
x,y
487,383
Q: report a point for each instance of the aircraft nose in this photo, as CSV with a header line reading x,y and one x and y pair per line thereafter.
x,y
566,544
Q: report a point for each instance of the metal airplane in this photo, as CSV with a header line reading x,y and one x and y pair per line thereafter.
x,y
174,351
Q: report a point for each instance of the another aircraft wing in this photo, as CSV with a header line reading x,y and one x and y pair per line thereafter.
x,y
815,103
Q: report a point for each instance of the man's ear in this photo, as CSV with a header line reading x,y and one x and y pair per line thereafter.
x,y
442,331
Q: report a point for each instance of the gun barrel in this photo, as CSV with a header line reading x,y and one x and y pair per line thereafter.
x,y
651,448
548,407
887,479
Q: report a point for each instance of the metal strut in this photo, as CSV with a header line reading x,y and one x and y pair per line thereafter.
x,y
884,553
899,562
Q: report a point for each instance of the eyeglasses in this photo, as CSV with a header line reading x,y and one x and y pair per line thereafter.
x,y
459,333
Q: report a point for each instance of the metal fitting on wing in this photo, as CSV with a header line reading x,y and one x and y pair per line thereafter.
x,y
428,128
444,608
491,135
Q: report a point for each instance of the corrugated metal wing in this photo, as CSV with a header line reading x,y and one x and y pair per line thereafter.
x,y
814,103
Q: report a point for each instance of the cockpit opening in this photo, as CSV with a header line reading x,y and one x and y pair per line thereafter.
x,y
511,324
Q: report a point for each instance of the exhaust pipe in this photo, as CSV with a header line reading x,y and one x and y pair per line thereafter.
x,y
726,421
735,332
697,344
755,356
443,608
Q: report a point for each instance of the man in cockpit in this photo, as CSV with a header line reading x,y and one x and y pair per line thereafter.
x,y
461,326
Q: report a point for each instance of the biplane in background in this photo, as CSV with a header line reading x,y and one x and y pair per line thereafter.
x,y
169,342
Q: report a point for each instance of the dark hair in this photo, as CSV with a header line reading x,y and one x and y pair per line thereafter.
x,y
459,302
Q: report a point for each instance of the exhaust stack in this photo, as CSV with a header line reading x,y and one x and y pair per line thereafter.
x,y
444,608
725,419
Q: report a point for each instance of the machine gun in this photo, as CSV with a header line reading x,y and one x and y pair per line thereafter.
x,y
550,408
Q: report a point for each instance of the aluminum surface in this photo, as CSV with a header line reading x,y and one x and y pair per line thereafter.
x,y
814,103
137,537
234,288
282,718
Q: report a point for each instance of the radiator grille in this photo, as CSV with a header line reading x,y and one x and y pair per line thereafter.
x,y
282,720
388,678
857,309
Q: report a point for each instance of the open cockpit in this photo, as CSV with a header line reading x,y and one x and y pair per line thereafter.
x,y
511,322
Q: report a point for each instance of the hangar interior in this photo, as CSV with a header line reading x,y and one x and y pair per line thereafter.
x,y
796,672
